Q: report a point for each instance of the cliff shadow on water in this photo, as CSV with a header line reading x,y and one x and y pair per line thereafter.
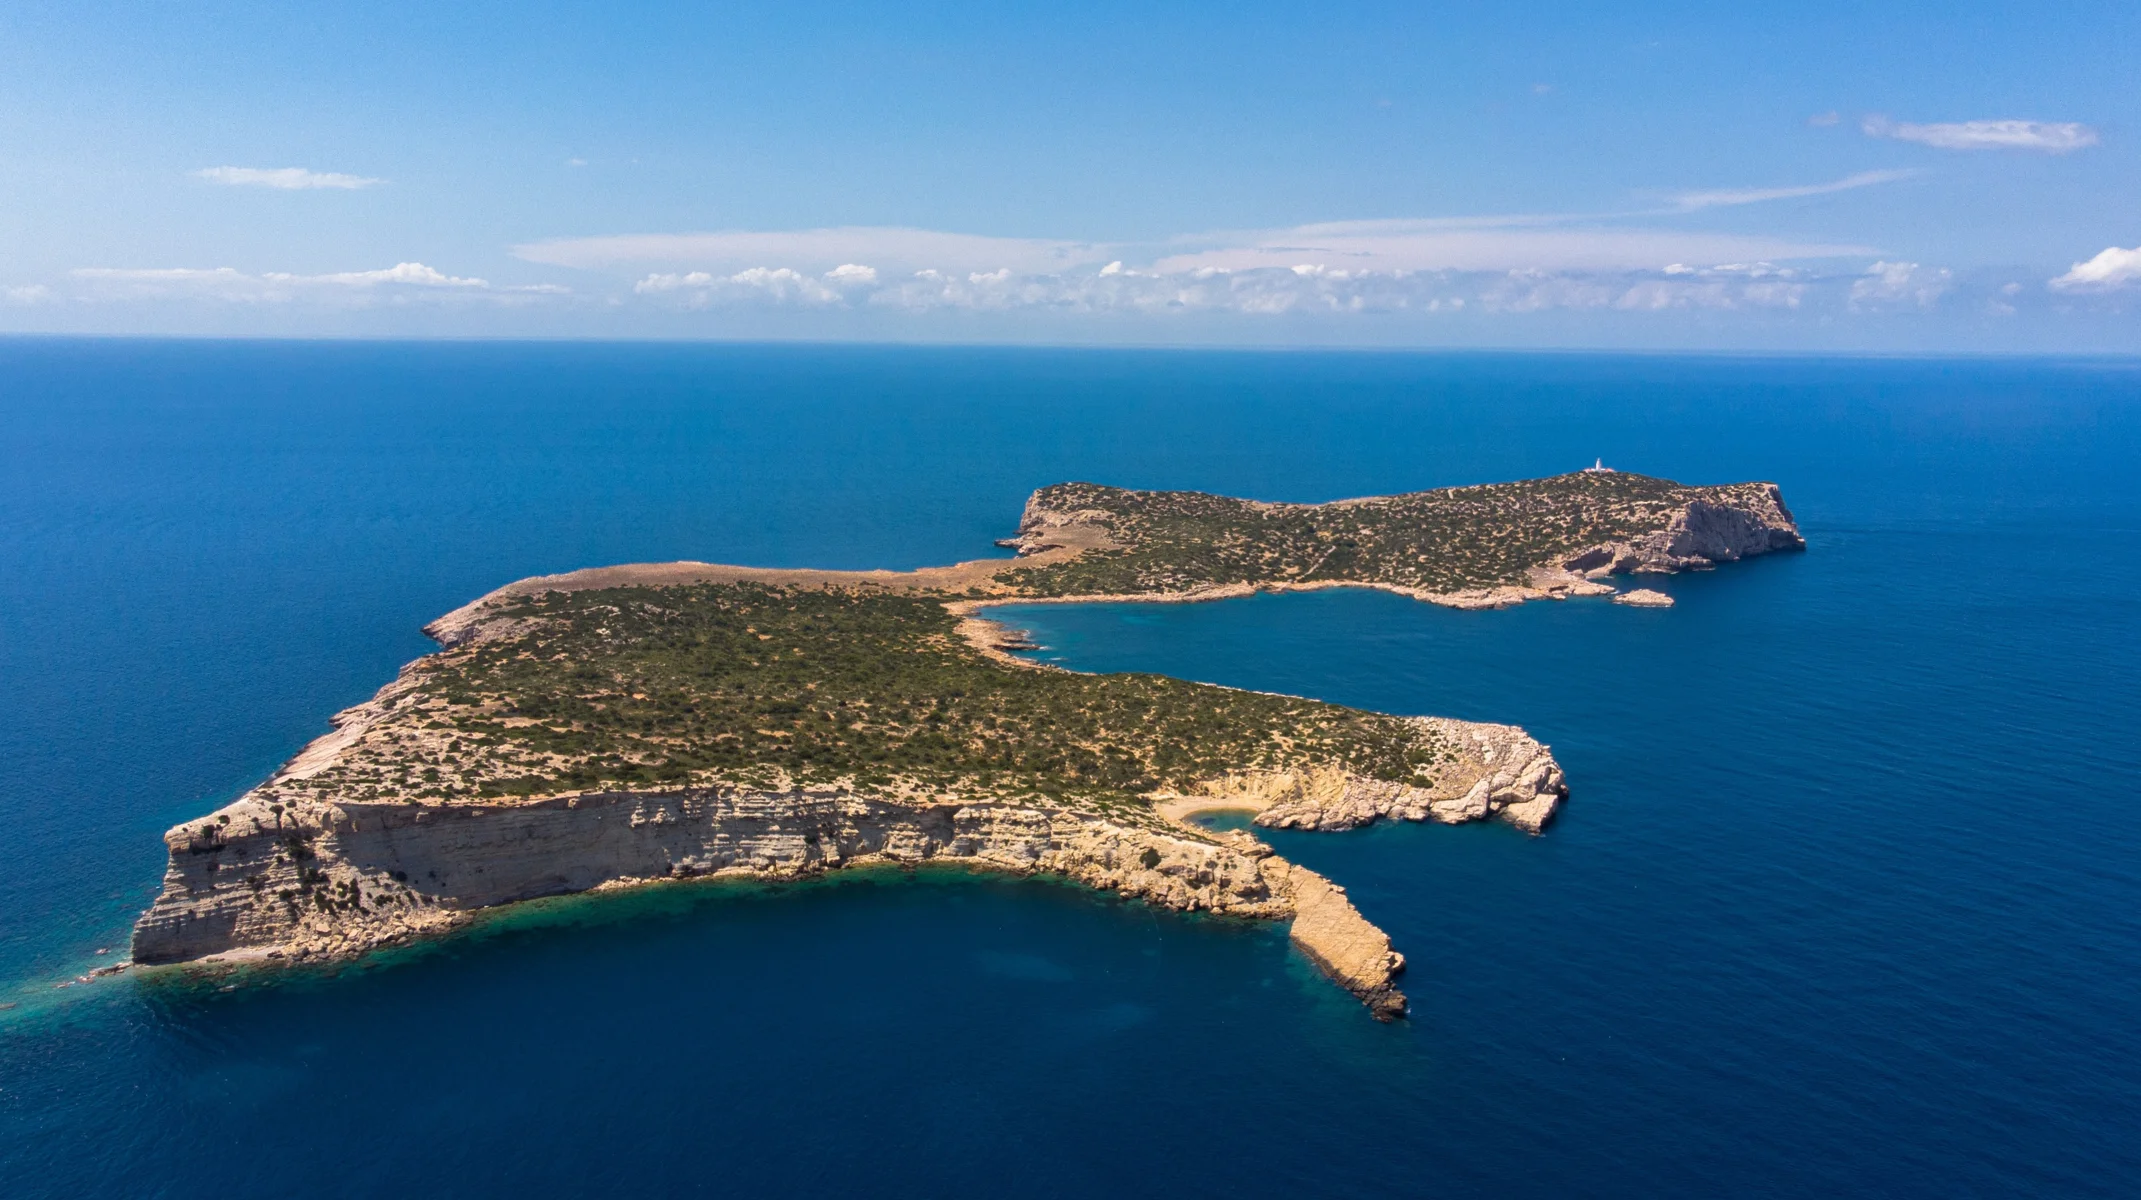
x,y
655,912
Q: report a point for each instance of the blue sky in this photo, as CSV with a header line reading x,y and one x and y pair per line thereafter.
x,y
1821,176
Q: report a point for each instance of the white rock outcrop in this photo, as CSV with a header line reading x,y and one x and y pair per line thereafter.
x,y
1700,535
1496,771
249,883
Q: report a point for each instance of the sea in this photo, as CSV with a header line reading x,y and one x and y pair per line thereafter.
x,y
1846,898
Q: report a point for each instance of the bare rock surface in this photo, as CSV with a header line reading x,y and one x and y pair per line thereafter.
x,y
1497,771
397,872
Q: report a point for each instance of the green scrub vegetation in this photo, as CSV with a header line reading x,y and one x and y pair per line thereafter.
x,y
647,688
1442,541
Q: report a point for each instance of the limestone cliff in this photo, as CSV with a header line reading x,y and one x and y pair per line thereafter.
x,y
1505,773
260,879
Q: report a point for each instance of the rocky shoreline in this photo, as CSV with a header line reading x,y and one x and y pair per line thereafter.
x,y
400,872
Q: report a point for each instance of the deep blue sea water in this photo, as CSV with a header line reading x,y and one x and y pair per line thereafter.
x,y
1847,898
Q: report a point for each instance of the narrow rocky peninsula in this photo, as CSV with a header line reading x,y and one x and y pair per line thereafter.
x,y
628,724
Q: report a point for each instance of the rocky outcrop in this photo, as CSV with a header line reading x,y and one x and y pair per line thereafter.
x,y
1701,534
1043,527
1644,598
1334,936
250,882
1496,771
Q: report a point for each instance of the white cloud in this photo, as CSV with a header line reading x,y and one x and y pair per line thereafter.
x,y
416,274
392,284
1495,242
1489,244
1300,290
1723,289
1319,293
1722,197
815,250
784,284
2111,268
165,278
776,285
2050,137
26,294
1899,285
285,178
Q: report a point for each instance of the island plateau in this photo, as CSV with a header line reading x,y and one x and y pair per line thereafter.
x,y
621,725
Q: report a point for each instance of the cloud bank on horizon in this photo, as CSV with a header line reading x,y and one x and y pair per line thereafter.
x,y
1635,261
1628,262
396,284
1649,174
1338,270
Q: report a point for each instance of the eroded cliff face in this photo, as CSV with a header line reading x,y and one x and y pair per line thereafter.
x,y
316,881
1751,520
1499,771
253,883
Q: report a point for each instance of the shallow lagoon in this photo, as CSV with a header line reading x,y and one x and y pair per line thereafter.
x,y
1843,898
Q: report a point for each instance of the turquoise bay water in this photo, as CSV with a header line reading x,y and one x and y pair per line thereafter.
x,y
1844,899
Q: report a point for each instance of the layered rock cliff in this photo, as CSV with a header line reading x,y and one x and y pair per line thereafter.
x,y
351,876
262,879
1506,773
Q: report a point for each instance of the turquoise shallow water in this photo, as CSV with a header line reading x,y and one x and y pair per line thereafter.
x,y
1844,898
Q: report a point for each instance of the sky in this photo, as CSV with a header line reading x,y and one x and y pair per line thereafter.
x,y
1819,176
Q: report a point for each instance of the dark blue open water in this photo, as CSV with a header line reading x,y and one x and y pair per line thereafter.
x,y
1847,898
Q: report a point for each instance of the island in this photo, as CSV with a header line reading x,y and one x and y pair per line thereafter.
x,y
621,725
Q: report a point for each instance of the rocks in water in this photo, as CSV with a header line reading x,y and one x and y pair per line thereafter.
x,y
1644,598
1334,936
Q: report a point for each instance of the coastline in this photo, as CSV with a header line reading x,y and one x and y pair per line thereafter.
x,y
329,876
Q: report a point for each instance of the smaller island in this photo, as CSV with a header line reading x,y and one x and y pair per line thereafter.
x,y
621,725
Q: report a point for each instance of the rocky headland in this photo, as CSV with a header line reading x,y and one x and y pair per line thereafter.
x,y
629,724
